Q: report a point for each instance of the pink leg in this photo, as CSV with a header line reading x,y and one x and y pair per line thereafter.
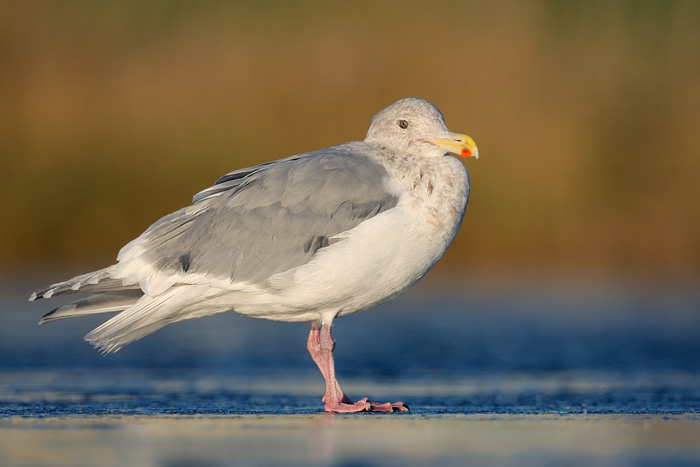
x,y
321,345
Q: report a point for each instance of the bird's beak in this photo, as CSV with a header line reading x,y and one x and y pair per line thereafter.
x,y
455,143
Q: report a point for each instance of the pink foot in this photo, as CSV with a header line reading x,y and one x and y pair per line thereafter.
x,y
389,407
363,405
321,346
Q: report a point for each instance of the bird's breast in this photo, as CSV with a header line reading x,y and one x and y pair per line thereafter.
x,y
434,193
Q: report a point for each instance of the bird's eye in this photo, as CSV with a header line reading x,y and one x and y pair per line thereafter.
x,y
403,124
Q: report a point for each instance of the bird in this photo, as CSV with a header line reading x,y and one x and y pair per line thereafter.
x,y
308,238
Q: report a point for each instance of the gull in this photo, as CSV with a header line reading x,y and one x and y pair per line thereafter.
x,y
309,238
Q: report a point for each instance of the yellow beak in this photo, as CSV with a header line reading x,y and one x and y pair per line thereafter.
x,y
461,145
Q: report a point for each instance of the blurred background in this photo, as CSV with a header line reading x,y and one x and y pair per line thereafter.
x,y
571,289
586,113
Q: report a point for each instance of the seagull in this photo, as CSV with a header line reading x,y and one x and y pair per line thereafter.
x,y
309,238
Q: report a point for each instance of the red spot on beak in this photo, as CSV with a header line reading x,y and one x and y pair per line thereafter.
x,y
466,152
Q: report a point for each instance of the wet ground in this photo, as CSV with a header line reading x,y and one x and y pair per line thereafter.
x,y
493,375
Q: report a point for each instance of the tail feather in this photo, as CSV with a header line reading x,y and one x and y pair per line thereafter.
x,y
105,302
97,281
149,314
140,314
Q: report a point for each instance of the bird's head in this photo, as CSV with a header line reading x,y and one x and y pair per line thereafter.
x,y
416,126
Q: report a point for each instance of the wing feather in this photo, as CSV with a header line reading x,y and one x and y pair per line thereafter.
x,y
260,221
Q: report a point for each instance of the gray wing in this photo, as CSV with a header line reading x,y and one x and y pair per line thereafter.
x,y
260,221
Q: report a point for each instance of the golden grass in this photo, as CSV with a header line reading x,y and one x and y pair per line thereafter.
x,y
586,115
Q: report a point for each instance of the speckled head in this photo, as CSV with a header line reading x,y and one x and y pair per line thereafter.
x,y
416,126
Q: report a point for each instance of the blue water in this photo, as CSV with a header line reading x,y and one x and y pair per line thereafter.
x,y
474,350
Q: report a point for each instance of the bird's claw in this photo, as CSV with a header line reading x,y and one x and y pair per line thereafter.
x,y
389,407
364,405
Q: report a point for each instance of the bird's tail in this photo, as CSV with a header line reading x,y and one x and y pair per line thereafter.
x,y
112,295
105,302
150,313
98,281
141,314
